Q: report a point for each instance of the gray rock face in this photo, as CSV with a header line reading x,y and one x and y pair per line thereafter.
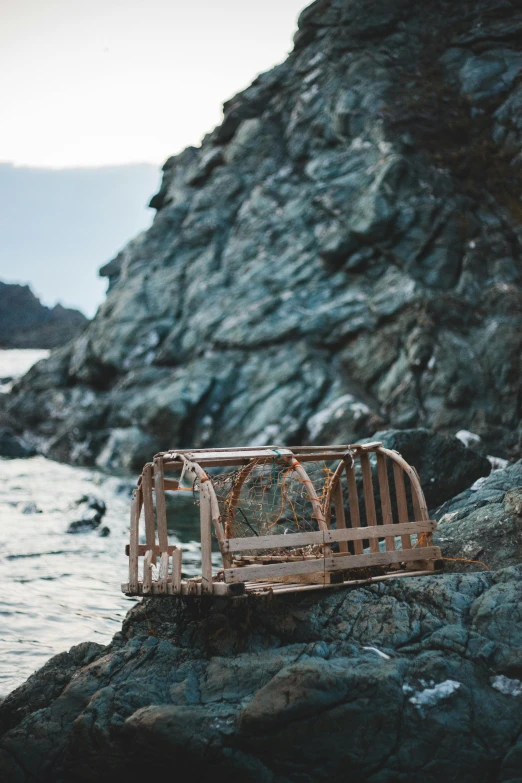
x,y
415,679
12,446
445,466
341,255
26,323
485,522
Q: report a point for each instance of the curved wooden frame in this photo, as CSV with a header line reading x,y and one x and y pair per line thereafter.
x,y
271,569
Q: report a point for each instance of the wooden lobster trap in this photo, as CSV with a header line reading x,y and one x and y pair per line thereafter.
x,y
283,519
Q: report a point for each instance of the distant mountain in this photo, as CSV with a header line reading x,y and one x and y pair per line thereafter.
x,y
26,323
58,226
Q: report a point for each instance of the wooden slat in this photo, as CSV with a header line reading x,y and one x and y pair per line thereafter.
x,y
242,460
274,542
382,558
353,501
252,573
338,447
163,572
327,536
147,573
150,534
161,508
205,517
259,588
402,503
340,518
174,485
369,499
142,549
420,509
386,507
176,571
134,537
379,531
234,496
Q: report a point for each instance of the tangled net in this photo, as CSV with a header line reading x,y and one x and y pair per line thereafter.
x,y
270,498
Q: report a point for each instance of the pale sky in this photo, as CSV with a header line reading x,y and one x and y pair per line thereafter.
x,y
98,82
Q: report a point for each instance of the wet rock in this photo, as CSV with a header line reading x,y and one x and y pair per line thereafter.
x,y
91,512
445,466
484,522
13,446
296,687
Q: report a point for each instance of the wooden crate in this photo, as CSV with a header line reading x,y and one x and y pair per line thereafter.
x,y
362,531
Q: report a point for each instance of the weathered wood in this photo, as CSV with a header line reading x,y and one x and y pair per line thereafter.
x,y
381,558
353,502
176,571
244,460
274,542
172,484
310,489
163,572
420,508
369,498
142,548
402,503
233,499
386,507
249,452
379,531
326,536
340,518
161,507
261,588
205,515
278,570
147,573
134,537
150,534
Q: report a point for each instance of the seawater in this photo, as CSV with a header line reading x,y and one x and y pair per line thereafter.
x,y
60,588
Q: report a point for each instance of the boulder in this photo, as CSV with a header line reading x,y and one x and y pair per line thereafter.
x,y
412,679
484,523
445,466
14,446
89,514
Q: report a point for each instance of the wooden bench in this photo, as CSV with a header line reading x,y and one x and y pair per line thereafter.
x,y
359,516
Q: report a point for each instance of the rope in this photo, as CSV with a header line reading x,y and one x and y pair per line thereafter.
x,y
423,537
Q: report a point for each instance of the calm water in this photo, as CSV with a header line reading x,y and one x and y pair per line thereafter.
x,y
59,589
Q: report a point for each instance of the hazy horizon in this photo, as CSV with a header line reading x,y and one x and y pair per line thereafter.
x,y
59,226
92,85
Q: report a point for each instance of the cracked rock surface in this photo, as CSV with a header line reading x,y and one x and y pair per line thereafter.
x,y
414,679
341,255
484,522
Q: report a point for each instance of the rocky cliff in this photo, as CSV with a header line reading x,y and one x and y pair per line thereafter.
x,y
342,253
413,679
417,679
26,323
